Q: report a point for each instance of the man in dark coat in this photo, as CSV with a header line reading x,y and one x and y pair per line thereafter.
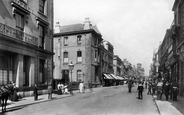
x,y
175,89
130,83
35,92
167,90
140,89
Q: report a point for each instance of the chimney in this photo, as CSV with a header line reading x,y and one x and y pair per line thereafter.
x,y
57,28
87,24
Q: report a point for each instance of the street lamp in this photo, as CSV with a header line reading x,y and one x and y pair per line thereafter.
x,y
71,66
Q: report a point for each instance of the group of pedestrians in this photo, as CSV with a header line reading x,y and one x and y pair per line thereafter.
x,y
169,89
62,89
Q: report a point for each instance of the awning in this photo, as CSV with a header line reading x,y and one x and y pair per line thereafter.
x,y
106,76
121,78
115,77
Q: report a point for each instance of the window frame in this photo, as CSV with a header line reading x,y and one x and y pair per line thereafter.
x,y
79,56
41,6
65,41
65,57
79,40
19,20
79,75
41,35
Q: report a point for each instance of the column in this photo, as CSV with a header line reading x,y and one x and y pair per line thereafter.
x,y
19,71
32,72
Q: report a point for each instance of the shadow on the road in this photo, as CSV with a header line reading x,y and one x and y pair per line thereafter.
x,y
12,109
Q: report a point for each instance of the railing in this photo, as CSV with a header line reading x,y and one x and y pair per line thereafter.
x,y
17,34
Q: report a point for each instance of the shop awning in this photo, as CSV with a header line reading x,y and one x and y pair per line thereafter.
x,y
121,78
115,77
106,76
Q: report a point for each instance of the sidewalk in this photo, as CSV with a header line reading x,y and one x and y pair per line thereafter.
x,y
41,98
170,107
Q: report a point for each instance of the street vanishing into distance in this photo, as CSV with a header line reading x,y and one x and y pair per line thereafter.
x,y
115,100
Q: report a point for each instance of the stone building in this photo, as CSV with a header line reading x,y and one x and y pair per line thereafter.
x,y
26,32
118,65
79,44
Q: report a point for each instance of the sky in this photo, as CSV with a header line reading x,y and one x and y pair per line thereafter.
x,y
134,27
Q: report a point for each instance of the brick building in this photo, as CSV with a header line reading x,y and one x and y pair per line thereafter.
x,y
79,44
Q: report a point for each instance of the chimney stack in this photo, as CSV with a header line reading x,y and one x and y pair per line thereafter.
x,y
57,28
87,24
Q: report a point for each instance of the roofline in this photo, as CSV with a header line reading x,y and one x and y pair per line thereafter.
x,y
77,32
175,5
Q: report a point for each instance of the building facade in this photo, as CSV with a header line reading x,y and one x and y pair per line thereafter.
x,y
79,44
118,64
26,32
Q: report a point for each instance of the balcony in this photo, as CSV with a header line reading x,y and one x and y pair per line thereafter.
x,y
18,35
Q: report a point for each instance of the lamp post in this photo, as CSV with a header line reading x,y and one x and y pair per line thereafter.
x,y
71,66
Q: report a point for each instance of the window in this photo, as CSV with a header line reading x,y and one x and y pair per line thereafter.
x,y
79,56
41,5
41,71
41,36
26,71
79,75
65,56
65,41
79,39
96,55
19,21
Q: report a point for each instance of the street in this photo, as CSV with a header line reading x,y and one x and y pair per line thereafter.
x,y
101,101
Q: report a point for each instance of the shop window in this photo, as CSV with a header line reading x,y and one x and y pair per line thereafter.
x,y
65,57
26,71
6,68
41,71
79,56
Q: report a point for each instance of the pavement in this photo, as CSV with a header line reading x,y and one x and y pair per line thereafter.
x,y
164,107
26,101
170,107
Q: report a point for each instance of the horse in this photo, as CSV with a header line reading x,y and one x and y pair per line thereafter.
x,y
5,92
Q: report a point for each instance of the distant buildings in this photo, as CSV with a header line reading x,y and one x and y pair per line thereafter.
x,y
26,32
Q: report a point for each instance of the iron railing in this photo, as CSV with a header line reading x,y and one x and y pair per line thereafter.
x,y
18,35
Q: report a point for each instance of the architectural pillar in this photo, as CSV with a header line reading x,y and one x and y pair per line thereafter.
x,y
19,71
32,72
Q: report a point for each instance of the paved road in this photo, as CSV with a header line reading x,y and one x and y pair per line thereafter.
x,y
104,101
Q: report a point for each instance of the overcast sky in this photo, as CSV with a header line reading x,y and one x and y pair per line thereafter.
x,y
134,27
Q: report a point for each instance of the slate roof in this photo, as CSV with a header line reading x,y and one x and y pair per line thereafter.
x,y
76,27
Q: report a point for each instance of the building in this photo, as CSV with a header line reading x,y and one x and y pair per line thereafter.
x,y
79,44
118,64
26,50
178,46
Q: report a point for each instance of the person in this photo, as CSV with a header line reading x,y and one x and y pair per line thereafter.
x,y
15,90
130,82
167,90
140,89
35,92
65,87
153,88
171,90
175,91
149,88
49,92
90,86
59,89
81,87
159,89
146,84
